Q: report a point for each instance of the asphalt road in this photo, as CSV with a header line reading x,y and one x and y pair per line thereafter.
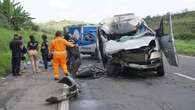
x,y
28,92
140,90
129,91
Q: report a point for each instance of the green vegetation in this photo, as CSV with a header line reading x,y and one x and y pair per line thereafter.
x,y
183,24
52,26
13,15
186,47
13,19
184,30
6,36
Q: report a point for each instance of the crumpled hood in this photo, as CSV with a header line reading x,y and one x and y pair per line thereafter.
x,y
112,46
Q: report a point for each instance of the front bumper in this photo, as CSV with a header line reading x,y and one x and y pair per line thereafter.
x,y
149,65
88,49
137,66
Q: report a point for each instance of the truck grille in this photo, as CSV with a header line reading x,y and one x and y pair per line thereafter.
x,y
135,56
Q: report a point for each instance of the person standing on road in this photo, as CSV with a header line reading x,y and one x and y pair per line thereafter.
x,y
58,49
66,33
32,48
74,60
44,51
67,37
16,48
24,51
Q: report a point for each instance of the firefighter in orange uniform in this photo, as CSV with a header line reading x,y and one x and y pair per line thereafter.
x,y
58,49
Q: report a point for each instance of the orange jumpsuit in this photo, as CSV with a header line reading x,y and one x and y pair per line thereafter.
x,y
58,47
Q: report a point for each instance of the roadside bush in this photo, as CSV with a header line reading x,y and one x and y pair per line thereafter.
x,y
185,36
14,13
185,47
3,21
35,27
5,64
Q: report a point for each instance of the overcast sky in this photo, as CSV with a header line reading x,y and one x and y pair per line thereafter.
x,y
95,10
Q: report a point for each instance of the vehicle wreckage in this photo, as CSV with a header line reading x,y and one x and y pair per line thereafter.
x,y
125,41
70,90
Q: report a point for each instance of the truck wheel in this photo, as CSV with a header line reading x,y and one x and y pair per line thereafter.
x,y
112,70
160,70
95,55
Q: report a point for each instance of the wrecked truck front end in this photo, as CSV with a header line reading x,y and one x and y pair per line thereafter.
x,y
126,41
139,51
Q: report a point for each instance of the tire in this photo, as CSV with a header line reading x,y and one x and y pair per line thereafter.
x,y
95,55
112,70
160,71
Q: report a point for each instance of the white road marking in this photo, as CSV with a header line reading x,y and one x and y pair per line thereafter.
x,y
3,78
64,104
184,76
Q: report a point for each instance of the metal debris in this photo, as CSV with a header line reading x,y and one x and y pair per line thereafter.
x,y
92,71
71,90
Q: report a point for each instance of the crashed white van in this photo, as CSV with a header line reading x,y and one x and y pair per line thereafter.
x,y
125,41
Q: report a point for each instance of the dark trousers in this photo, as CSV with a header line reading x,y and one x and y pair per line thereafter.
x,y
16,65
45,60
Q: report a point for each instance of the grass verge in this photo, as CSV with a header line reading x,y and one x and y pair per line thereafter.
x,y
186,47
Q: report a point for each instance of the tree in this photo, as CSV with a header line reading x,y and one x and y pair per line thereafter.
x,y
16,16
148,18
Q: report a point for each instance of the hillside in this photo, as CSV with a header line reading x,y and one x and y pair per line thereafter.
x,y
52,26
183,24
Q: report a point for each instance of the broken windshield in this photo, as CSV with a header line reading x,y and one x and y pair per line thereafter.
x,y
141,32
125,38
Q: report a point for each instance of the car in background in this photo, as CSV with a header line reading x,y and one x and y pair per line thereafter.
x,y
125,41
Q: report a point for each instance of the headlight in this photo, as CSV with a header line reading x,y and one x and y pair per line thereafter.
x,y
155,55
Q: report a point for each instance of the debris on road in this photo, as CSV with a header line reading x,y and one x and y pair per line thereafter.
x,y
90,71
72,90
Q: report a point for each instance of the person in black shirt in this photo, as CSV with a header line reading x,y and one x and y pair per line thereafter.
x,y
66,33
32,48
24,51
45,51
16,48
67,37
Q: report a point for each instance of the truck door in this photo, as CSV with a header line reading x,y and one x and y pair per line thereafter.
x,y
167,42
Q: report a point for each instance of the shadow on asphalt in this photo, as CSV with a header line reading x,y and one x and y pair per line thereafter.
x,y
129,75
137,74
